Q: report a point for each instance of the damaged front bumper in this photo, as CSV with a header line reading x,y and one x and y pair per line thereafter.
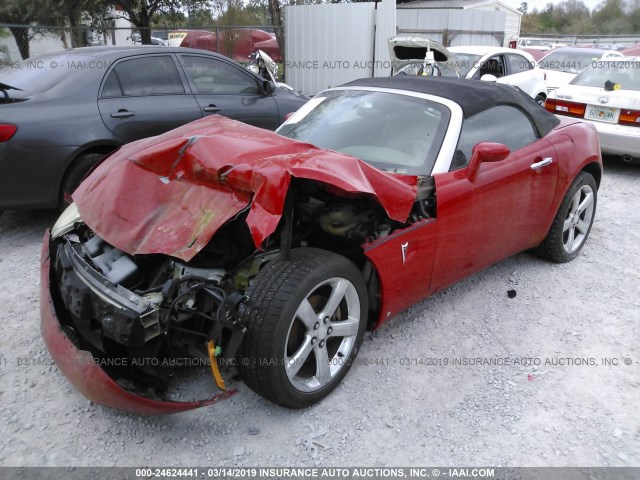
x,y
80,367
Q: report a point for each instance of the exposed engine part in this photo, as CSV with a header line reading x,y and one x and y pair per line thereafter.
x,y
181,270
101,308
342,218
357,220
117,266
425,206
177,308
250,268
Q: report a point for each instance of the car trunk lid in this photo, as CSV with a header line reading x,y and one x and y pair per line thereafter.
x,y
412,48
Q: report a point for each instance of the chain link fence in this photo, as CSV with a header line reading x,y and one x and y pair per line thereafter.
x,y
18,42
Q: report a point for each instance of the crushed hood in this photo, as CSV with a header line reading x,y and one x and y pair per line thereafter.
x,y
169,194
411,48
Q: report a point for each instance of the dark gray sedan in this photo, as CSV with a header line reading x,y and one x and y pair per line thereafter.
x,y
61,113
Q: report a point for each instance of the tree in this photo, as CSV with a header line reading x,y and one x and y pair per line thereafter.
x,y
259,11
569,14
141,12
524,8
228,12
634,15
200,17
275,13
169,19
20,12
76,14
531,22
610,18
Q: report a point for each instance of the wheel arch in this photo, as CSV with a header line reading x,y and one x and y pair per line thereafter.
x,y
595,170
103,147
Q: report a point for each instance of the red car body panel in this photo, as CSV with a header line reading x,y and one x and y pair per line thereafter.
x,y
632,51
475,220
85,374
405,254
506,209
578,147
246,42
197,177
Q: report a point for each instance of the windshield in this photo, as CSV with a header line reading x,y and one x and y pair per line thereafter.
x,y
625,73
36,75
464,61
393,132
534,42
417,68
570,62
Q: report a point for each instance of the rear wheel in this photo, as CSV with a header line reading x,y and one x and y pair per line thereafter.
x,y
74,176
572,224
306,318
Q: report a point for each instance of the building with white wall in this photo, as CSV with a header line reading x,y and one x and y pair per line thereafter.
x,y
472,22
331,44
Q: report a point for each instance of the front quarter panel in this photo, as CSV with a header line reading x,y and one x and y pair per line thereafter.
x,y
403,262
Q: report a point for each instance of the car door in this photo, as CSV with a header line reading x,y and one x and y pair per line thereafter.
x,y
521,73
497,214
227,89
145,96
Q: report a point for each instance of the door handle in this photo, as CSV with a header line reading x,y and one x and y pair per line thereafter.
x,y
122,113
541,163
211,109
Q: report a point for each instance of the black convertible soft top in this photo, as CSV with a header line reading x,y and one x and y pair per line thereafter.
x,y
473,96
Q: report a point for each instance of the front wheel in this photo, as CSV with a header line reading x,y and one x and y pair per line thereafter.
x,y
572,224
305,321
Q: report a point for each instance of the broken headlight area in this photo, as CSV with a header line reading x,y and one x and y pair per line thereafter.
x,y
148,320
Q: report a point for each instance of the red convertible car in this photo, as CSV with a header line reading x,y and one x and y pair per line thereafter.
x,y
269,254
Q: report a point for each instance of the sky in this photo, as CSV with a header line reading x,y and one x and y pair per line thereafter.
x,y
540,4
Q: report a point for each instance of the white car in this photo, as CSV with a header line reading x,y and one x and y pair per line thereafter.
x,y
503,65
607,95
506,65
563,64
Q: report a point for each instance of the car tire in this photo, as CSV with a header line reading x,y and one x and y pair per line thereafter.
x,y
572,224
541,98
291,334
75,174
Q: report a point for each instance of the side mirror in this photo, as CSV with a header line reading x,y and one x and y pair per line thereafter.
x,y
485,152
267,87
487,77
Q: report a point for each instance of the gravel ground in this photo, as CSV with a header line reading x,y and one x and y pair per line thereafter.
x,y
425,413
